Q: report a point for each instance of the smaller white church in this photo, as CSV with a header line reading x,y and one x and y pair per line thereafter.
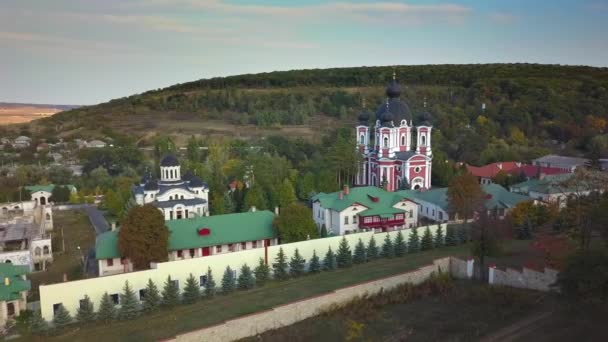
x,y
177,196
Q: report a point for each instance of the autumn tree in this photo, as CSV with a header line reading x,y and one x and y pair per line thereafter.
x,y
295,223
285,193
143,236
464,195
487,231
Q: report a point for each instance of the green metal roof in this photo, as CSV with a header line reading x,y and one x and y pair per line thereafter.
x,y
224,229
548,185
364,196
16,285
47,188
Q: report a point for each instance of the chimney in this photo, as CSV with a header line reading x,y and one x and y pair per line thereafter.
x,y
276,211
345,189
341,195
113,225
7,281
253,209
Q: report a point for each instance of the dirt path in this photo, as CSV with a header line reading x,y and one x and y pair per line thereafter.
x,y
518,330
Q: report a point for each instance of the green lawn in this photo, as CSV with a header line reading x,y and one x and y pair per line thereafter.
x,y
77,231
170,322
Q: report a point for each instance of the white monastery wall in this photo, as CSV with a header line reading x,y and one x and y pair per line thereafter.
x,y
527,278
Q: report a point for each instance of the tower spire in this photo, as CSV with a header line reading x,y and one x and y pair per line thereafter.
x,y
394,75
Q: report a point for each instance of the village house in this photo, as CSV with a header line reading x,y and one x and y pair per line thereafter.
x,y
487,173
95,144
363,208
196,238
562,162
41,194
22,142
550,189
24,234
13,291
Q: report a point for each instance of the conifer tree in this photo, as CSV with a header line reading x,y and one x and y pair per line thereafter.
x,y
372,249
279,268
359,257
315,264
246,279
413,244
152,298
323,230
228,281
388,250
329,262
450,236
426,242
170,293
297,264
192,291
210,286
62,317
86,312
463,234
262,273
107,310
400,245
37,324
439,237
344,257
129,305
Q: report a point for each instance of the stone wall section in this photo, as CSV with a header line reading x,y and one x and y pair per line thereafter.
x,y
527,278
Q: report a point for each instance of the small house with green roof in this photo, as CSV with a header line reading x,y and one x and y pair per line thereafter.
x,y
363,208
13,291
433,204
42,193
195,238
551,189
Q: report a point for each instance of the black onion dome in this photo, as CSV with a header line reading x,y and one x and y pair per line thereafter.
x,y
398,109
393,89
426,119
364,117
169,160
152,185
196,182
145,179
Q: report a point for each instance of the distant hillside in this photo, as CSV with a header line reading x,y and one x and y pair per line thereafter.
x,y
541,104
11,113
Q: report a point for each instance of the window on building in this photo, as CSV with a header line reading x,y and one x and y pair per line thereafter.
x,y
218,249
411,213
362,139
56,307
192,252
345,219
254,244
115,298
243,246
231,247
202,280
110,262
433,212
46,250
417,169
82,303
441,215
175,283
142,294
385,142
403,140
180,254
355,219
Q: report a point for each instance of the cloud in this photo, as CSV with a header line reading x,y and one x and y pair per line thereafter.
x,y
370,11
503,18
61,42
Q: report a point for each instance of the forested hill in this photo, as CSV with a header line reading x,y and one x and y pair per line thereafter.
x,y
529,108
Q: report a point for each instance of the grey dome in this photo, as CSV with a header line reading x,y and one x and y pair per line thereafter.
x,y
187,176
196,182
169,160
398,109
364,117
393,89
426,119
152,185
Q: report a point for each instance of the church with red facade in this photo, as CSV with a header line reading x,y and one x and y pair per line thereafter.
x,y
396,154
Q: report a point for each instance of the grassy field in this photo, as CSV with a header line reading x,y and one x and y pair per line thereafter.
x,y
167,323
454,311
77,231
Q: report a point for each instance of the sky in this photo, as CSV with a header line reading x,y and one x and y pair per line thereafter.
x,y
90,51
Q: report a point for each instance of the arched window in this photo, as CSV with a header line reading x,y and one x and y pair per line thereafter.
x,y
423,140
403,140
362,139
46,250
385,142
7,261
37,251
48,216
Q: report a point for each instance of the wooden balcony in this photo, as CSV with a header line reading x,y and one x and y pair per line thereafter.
x,y
381,223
